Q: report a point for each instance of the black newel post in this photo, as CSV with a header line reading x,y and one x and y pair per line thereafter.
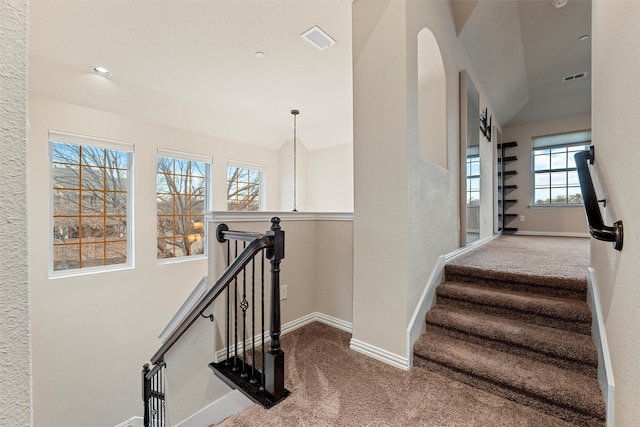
x,y
274,358
146,394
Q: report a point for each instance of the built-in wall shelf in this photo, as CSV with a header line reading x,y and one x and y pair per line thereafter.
x,y
506,161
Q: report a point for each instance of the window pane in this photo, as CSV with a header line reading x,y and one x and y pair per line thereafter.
x,y
572,178
559,161
66,257
65,153
181,202
93,156
559,195
117,179
243,188
542,179
558,179
92,178
542,196
541,162
66,202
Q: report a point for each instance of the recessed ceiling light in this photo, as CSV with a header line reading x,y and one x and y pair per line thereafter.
x,y
559,3
259,54
583,37
101,71
318,38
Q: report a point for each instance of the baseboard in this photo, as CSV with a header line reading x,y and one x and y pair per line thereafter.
x,y
550,234
290,327
228,405
132,422
380,354
598,332
426,301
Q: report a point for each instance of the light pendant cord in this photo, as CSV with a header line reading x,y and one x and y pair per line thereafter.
x,y
295,114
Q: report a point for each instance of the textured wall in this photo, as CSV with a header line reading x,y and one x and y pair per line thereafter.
x,y
15,345
616,136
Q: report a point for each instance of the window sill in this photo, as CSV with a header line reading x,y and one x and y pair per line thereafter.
x,y
63,274
176,260
556,206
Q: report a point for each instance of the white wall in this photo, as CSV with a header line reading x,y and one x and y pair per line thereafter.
x,y
541,220
406,209
92,333
15,327
616,136
330,184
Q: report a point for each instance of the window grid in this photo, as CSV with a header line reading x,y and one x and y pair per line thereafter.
x,y
89,200
181,203
555,177
473,181
244,188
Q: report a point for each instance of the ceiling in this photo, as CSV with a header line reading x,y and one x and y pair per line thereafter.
x,y
192,64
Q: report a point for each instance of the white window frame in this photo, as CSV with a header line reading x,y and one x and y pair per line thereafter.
x,y
555,141
263,181
208,160
83,140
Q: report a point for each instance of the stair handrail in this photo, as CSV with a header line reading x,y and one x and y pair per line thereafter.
x,y
597,228
272,240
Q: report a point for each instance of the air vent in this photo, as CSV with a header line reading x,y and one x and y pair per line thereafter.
x,y
574,77
318,38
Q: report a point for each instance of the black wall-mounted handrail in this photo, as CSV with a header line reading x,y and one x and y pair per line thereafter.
x,y
594,218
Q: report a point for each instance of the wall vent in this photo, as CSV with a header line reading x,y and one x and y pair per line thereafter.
x,y
318,38
574,76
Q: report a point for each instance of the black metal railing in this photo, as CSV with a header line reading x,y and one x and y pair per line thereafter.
x,y
597,228
248,366
153,395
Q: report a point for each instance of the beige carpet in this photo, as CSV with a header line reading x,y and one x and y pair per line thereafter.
x,y
511,318
332,385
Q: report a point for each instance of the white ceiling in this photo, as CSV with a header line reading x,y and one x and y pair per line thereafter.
x,y
522,49
192,64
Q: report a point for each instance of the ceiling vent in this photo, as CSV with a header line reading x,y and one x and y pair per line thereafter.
x,y
574,76
318,38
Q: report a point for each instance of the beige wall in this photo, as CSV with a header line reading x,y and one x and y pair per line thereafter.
x,y
541,220
330,179
15,327
94,332
616,136
406,209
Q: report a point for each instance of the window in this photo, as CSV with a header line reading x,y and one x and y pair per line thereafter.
x,y
91,198
555,179
182,183
245,188
473,181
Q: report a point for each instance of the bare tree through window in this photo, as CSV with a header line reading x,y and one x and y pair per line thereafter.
x,y
244,187
181,202
90,197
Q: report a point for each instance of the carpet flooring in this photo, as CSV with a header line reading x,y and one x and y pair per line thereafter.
x,y
511,318
505,348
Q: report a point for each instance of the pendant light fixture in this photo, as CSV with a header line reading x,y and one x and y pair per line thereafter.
x,y
294,113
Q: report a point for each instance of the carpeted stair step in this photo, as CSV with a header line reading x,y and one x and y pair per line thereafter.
x,y
562,313
560,348
564,287
565,394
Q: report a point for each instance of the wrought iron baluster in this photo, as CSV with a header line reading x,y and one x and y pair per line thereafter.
x,y
235,316
244,304
262,334
253,321
227,325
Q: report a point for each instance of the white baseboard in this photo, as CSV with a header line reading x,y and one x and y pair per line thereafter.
x,y
290,327
426,301
133,422
228,405
550,234
598,332
380,354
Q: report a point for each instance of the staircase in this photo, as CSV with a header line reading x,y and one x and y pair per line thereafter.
x,y
516,335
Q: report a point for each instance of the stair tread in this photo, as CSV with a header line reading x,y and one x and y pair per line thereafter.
x,y
562,308
507,274
553,341
562,387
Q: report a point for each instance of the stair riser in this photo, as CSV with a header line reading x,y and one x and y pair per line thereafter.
x,y
519,287
538,319
507,392
574,365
